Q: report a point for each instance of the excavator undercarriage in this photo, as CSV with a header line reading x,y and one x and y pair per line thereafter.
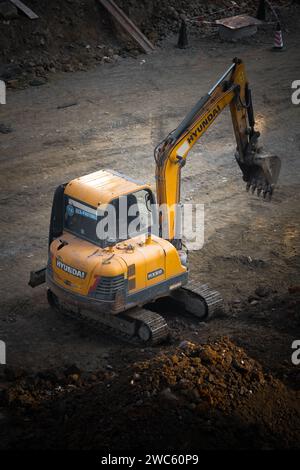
x,y
140,325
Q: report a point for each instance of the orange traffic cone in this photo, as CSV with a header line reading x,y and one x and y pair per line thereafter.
x,y
278,41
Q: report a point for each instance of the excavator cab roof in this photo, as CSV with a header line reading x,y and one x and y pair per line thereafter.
x,y
102,186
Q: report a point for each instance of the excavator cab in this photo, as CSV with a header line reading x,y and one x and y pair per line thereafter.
x,y
124,217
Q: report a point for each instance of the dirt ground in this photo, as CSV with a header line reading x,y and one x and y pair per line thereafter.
x,y
119,112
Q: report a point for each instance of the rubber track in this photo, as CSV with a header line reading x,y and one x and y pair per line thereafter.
x,y
154,321
212,298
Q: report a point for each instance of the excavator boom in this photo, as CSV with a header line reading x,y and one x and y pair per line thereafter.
x,y
260,171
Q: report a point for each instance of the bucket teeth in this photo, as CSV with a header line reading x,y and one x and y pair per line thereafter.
x,y
253,188
266,190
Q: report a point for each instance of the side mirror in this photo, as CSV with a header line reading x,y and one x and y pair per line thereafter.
x,y
148,201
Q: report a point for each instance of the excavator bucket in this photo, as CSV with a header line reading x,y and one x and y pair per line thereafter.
x,y
260,171
263,174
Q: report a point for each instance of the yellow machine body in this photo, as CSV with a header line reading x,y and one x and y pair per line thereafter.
x,y
115,278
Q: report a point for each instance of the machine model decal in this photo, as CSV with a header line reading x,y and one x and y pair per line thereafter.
x,y
156,273
203,124
69,269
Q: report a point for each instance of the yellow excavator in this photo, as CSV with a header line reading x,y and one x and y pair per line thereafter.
x,y
110,280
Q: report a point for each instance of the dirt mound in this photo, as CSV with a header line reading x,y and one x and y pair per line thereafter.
x,y
217,375
193,396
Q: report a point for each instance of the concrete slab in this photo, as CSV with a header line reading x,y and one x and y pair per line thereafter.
x,y
237,27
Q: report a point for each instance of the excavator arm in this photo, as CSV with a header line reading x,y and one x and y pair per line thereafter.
x,y
260,171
